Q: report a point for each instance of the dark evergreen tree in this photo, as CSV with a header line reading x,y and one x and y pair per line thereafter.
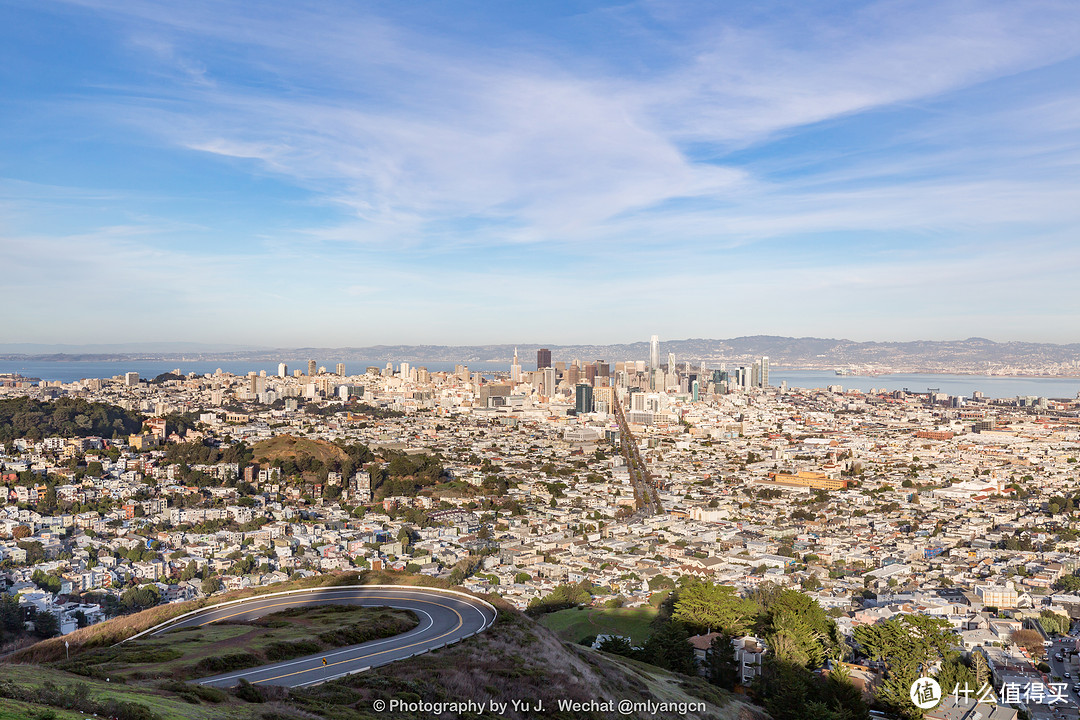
x,y
720,663
669,647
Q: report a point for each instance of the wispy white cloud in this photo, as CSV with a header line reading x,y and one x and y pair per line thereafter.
x,y
747,81
434,134
430,145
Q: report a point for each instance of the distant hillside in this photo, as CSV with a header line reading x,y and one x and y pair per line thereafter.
x,y
290,447
968,355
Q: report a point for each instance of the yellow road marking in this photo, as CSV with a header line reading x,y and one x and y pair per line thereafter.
x,y
461,621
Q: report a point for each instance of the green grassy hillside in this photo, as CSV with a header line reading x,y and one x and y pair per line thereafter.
x,y
581,622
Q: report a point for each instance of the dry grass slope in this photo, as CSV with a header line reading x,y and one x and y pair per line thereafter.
x,y
290,447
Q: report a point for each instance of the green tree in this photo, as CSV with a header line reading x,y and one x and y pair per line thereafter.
x,y
720,663
35,551
704,606
618,645
955,673
11,616
405,537
1068,584
908,645
210,585
791,692
1054,623
669,647
797,629
46,581
561,598
840,695
661,582
787,692
46,624
47,503
140,598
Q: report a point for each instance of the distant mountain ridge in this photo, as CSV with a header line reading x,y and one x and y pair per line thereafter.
x,y
969,355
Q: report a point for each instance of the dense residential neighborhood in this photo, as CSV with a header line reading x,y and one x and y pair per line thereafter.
x,y
877,506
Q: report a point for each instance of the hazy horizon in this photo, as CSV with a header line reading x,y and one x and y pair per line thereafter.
x,y
205,348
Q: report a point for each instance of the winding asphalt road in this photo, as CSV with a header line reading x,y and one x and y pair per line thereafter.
x,y
445,618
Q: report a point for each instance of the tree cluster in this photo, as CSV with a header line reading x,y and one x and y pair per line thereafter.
x,y
407,475
562,597
909,646
24,417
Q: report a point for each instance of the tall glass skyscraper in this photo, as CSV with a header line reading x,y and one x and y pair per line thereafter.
x,y
583,399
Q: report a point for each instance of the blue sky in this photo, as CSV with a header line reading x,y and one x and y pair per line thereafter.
x,y
353,173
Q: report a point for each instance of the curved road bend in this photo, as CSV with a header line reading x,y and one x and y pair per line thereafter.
x,y
444,618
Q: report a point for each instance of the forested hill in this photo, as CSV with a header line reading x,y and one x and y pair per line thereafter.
x,y
24,417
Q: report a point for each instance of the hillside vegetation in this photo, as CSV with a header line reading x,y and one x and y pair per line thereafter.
x,y
24,417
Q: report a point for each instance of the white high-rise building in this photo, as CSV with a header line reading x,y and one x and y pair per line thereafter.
x,y
671,362
763,374
654,352
282,370
515,369
547,383
405,370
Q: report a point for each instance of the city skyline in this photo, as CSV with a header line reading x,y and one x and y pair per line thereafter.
x,y
349,176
